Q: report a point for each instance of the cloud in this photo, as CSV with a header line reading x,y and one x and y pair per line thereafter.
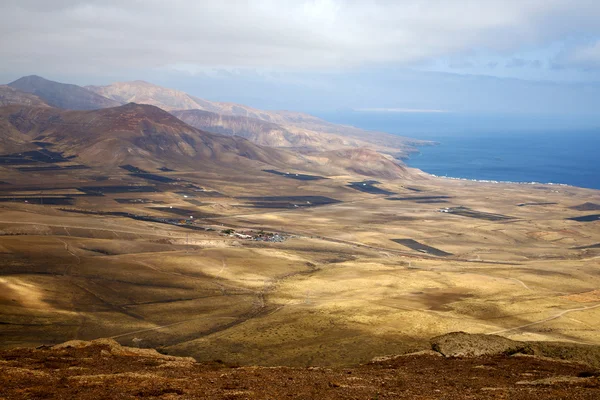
x,y
536,64
516,63
586,57
102,36
461,64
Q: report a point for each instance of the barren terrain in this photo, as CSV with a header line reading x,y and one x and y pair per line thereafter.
x,y
351,273
103,369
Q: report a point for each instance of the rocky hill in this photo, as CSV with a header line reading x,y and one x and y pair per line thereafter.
x,y
295,129
255,130
10,96
147,93
284,129
363,161
262,132
104,369
314,144
134,133
142,134
62,95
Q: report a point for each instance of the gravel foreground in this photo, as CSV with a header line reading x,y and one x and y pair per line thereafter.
x,y
102,369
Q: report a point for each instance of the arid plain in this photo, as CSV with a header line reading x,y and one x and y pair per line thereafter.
x,y
356,270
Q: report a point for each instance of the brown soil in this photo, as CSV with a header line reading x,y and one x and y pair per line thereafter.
x,y
103,369
586,297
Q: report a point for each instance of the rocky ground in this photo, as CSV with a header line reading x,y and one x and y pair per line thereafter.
x,y
103,369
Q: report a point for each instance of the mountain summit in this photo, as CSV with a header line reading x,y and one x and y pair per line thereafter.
x,y
136,133
286,129
62,95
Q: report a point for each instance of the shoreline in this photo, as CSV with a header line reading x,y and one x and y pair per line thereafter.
x,y
503,182
494,181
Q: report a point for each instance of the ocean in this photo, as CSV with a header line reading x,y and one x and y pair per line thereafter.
x,y
494,148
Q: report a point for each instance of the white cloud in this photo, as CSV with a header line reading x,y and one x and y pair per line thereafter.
x,y
97,36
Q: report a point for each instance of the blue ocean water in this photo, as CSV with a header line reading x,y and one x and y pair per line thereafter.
x,y
494,148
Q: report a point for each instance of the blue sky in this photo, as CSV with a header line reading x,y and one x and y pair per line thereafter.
x,y
477,56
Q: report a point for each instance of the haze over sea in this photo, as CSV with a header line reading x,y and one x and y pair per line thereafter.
x,y
495,147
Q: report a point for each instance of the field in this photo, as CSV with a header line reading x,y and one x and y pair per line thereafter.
x,y
167,259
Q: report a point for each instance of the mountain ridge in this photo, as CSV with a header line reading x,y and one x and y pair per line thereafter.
x,y
143,134
134,133
319,146
324,135
11,96
62,95
301,131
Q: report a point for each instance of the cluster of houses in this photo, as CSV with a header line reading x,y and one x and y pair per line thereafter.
x,y
260,236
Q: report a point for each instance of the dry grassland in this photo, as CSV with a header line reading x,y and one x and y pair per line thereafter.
x,y
338,291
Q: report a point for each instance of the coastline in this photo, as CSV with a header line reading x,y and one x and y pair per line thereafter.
x,y
505,182
470,162
479,148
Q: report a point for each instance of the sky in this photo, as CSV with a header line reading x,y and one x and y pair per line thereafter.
x,y
476,56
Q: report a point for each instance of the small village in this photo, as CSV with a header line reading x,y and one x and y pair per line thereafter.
x,y
260,236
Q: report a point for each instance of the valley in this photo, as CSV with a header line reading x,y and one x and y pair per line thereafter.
x,y
312,200
125,222
103,252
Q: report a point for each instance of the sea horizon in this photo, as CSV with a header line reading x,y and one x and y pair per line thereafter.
x,y
493,148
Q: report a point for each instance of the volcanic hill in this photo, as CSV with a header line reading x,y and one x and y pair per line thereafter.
x,y
133,133
293,129
10,96
142,134
62,95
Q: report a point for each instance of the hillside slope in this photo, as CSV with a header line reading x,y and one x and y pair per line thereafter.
x,y
146,93
313,133
10,96
143,134
134,133
363,161
62,95
253,129
104,369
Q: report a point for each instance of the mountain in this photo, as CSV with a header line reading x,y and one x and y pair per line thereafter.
x,y
146,93
285,129
294,129
318,145
134,133
358,160
148,136
62,95
10,96
363,161
253,129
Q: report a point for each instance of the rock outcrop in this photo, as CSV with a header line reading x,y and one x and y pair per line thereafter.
x,y
104,369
